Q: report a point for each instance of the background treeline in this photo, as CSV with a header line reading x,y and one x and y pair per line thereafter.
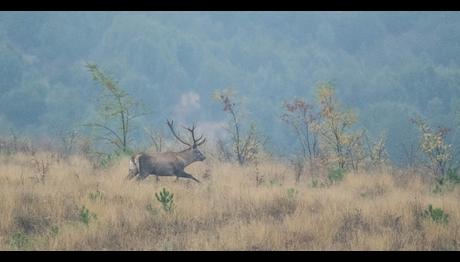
x,y
389,67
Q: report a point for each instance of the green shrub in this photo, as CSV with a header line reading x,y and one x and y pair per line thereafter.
x,y
437,215
166,199
95,196
440,188
19,240
336,175
86,216
54,231
315,183
448,182
292,193
107,160
274,182
453,176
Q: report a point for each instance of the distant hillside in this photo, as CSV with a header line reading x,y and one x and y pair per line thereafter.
x,y
387,65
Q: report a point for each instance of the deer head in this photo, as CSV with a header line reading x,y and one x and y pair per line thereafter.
x,y
196,154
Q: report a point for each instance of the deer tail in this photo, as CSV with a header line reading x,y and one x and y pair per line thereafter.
x,y
137,163
134,165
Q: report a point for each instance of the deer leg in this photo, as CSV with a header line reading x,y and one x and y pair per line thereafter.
x,y
187,175
141,176
157,179
131,174
191,177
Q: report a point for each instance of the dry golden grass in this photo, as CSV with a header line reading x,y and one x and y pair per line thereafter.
x,y
227,211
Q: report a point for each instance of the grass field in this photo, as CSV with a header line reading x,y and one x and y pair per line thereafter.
x,y
56,204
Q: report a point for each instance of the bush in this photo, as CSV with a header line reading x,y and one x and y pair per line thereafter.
x,y
336,175
86,215
447,183
274,182
292,193
317,183
54,231
95,196
108,160
19,240
166,199
452,175
437,215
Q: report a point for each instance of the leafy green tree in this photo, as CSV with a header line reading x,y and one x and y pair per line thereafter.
x,y
117,108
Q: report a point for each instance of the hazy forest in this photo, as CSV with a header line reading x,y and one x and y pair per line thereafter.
x,y
297,130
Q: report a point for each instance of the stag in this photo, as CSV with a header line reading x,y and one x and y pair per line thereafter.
x,y
168,163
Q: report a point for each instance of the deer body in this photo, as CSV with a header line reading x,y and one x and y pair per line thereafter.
x,y
168,163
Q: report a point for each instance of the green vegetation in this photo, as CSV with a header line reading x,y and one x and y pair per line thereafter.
x,y
292,193
437,215
95,196
335,175
166,199
19,240
86,216
387,66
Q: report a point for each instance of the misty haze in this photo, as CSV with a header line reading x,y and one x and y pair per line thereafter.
x,y
229,130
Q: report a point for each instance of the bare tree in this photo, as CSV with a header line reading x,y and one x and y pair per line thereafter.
x,y
377,152
246,145
156,138
301,117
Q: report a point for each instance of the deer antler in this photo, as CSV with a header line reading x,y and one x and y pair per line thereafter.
x,y
196,142
171,126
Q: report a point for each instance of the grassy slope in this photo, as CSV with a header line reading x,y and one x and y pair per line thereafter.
x,y
227,211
